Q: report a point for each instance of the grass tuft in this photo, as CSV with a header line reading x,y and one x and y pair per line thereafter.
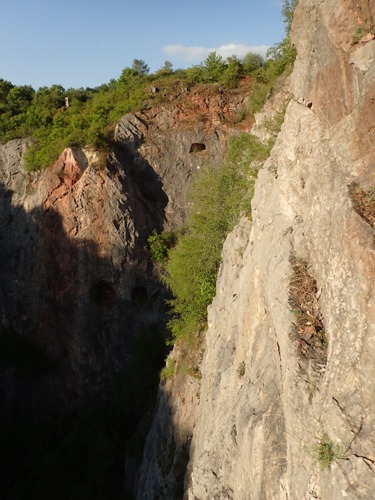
x,y
325,451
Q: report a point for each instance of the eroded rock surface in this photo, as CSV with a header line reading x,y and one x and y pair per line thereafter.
x,y
73,250
76,277
180,136
271,415
167,448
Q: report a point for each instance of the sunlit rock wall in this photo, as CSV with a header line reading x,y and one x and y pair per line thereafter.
x,y
287,406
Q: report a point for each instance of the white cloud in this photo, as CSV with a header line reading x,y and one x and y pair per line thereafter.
x,y
198,54
186,53
240,50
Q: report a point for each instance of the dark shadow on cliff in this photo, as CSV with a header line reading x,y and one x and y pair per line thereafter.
x,y
79,362
146,182
168,448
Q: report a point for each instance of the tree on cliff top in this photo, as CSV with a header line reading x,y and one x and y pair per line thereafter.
x,y
214,67
285,52
140,67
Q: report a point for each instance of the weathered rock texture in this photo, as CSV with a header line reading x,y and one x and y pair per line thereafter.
x,y
167,448
270,402
168,445
76,279
73,262
287,391
178,137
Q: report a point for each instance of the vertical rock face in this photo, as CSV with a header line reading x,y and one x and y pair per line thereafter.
x,y
73,253
177,138
287,398
76,280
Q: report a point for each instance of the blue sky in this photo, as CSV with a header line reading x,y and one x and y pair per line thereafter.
x,y
84,43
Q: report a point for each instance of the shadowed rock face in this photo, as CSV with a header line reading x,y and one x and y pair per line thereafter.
x,y
73,246
76,279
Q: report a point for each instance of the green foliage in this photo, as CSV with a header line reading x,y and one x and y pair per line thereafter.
x,y
160,244
128,79
19,98
280,59
245,149
219,195
214,67
87,121
39,156
284,53
232,73
165,70
140,67
274,126
325,451
287,11
259,93
88,118
252,62
266,77
194,75
5,87
168,371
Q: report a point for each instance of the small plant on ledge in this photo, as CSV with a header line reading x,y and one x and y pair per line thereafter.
x,y
325,451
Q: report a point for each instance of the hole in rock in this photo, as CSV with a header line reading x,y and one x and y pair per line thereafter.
x,y
139,294
102,291
197,147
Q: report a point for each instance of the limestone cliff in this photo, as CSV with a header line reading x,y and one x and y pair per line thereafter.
x,y
76,278
282,405
286,405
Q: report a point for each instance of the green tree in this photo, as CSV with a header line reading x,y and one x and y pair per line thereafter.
x,y
284,53
19,98
252,62
45,104
232,72
287,11
165,70
160,245
140,67
219,195
5,87
128,78
167,67
214,66
194,74
51,97
78,95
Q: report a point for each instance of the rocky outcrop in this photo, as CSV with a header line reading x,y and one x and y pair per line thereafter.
x,y
168,445
76,279
287,400
167,448
176,138
73,241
